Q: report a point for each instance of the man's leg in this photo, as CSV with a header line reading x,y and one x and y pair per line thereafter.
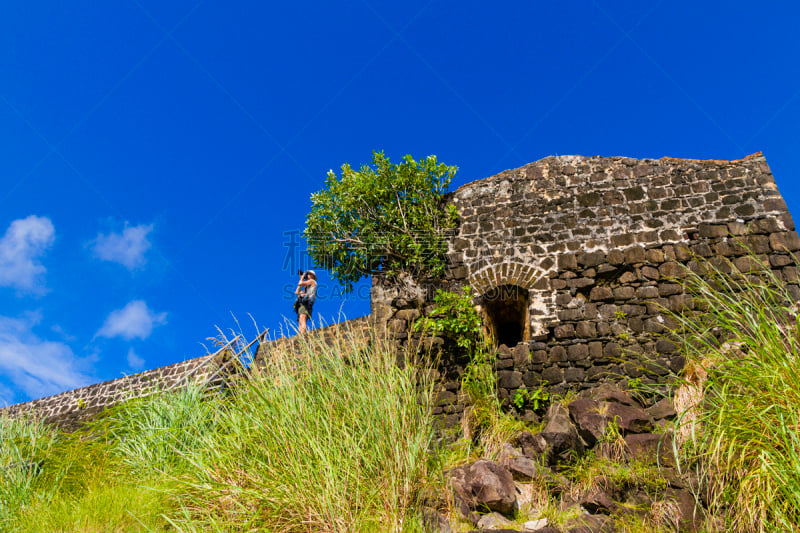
x,y
302,319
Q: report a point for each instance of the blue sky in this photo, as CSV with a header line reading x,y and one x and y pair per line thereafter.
x,y
157,157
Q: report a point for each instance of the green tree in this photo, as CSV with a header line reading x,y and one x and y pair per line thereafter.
x,y
385,217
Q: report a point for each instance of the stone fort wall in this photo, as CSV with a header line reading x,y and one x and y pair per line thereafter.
x,y
71,408
592,248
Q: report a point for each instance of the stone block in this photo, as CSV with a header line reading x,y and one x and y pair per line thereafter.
x,y
646,292
712,231
747,264
585,329
591,259
664,346
557,354
570,314
612,350
785,241
672,270
567,262
538,356
521,355
574,375
615,257
577,352
634,254
654,255
780,260
564,331
668,289
509,379
601,294
553,375
624,293
579,283
650,272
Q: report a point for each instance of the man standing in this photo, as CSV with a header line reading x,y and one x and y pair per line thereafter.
x,y
306,296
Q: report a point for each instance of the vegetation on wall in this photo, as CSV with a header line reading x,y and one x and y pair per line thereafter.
x,y
382,217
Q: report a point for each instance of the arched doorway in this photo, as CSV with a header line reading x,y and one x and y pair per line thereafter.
x,y
506,318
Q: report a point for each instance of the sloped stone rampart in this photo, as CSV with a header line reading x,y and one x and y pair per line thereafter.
x,y
70,408
596,243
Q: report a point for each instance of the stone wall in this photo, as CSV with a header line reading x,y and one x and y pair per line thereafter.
x,y
70,408
594,245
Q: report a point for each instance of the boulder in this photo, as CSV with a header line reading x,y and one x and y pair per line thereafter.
x,y
651,448
495,531
608,392
435,522
599,501
492,487
493,521
662,410
483,485
593,416
689,514
537,525
589,523
533,446
563,442
524,469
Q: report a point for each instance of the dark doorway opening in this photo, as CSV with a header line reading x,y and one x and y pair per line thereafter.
x,y
506,314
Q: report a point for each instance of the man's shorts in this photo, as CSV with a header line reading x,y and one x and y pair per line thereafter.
x,y
304,310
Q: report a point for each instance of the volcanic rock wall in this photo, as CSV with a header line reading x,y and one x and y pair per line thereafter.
x,y
70,408
585,253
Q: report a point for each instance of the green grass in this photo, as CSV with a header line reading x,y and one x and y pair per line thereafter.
x,y
327,438
743,353
24,444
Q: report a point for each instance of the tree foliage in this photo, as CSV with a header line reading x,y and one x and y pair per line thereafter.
x,y
383,217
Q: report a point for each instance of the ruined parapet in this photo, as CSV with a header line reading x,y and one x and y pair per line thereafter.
x,y
69,409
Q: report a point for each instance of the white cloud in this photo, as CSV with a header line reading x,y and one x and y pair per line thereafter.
x,y
134,361
135,320
126,248
37,366
23,244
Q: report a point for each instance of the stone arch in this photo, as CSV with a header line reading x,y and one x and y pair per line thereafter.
x,y
504,275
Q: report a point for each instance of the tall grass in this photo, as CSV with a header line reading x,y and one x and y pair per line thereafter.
x,y
329,437
159,433
742,409
24,444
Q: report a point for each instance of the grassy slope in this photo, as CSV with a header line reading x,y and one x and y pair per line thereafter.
x,y
337,438
331,438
